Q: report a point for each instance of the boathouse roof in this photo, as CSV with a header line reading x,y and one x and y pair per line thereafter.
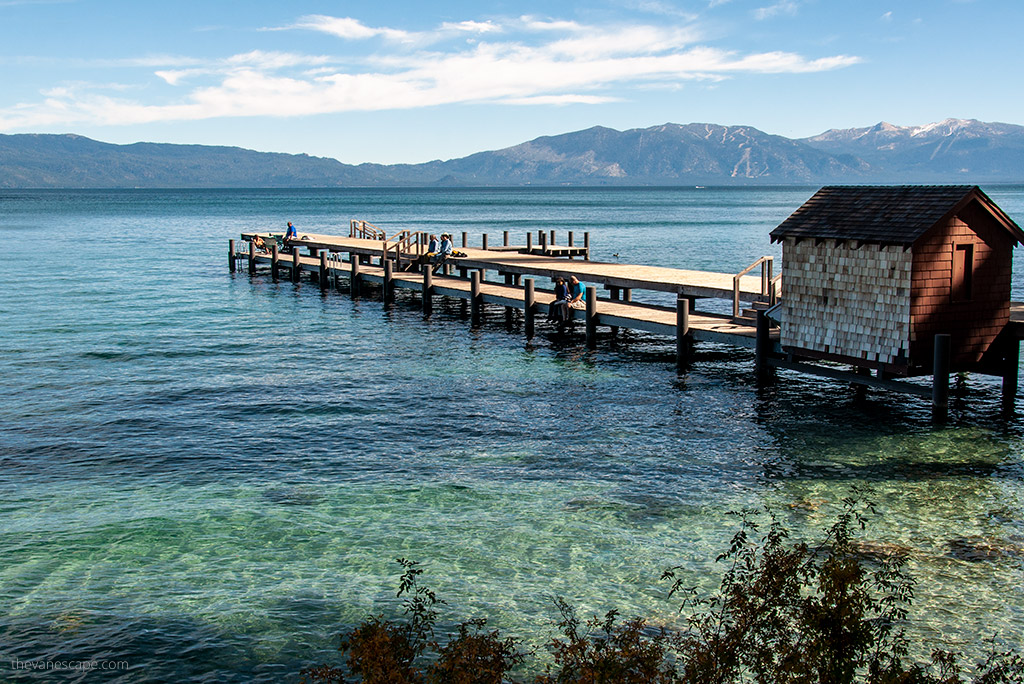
x,y
894,214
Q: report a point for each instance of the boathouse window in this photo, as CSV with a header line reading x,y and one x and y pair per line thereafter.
x,y
963,272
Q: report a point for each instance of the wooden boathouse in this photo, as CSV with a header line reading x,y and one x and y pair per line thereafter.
x,y
901,281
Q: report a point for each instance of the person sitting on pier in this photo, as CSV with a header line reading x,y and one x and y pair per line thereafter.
x,y
577,294
443,252
423,259
558,311
290,234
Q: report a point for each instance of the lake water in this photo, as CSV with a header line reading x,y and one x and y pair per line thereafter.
x,y
208,476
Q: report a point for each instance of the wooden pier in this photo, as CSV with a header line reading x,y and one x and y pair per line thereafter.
x,y
517,271
509,275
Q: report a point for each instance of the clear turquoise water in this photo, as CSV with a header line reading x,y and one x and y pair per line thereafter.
x,y
209,476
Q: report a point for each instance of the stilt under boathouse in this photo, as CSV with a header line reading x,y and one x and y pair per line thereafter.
x,y
899,280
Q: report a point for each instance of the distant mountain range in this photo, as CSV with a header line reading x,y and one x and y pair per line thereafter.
x,y
950,151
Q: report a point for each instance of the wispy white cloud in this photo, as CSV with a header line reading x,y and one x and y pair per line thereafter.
x,y
782,7
347,28
534,61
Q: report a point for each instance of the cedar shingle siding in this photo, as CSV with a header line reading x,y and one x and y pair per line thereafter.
x,y
871,274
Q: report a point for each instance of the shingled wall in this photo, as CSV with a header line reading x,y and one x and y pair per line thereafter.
x,y
973,323
845,300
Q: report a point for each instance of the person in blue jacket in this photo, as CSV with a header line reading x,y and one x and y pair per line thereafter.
x,y
577,293
444,250
290,234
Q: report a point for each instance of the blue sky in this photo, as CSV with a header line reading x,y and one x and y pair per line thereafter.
x,y
396,82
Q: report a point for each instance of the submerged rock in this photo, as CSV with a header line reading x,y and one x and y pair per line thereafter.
x,y
977,549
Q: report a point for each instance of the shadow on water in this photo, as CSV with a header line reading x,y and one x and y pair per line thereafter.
x,y
152,648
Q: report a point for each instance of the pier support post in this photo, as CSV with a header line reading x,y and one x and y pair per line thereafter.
x,y
324,277
275,259
353,281
231,256
762,349
1011,366
529,242
314,277
543,240
295,265
529,299
940,377
475,303
465,241
552,240
389,275
428,291
252,258
591,317
483,241
586,246
683,342
504,238
613,294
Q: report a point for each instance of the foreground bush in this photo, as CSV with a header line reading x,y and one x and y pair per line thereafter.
x,y
784,613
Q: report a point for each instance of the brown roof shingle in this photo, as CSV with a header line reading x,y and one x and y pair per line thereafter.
x,y
895,214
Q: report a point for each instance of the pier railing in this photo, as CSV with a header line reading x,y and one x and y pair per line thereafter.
x,y
765,263
405,242
775,290
365,230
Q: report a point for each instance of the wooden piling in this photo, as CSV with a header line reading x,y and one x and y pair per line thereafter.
x,y
551,241
543,239
353,281
465,240
314,277
613,294
476,302
682,331
483,241
504,238
428,291
1011,370
231,256
591,317
324,277
252,257
940,377
586,246
529,299
275,259
762,348
529,242
389,276
295,265
570,239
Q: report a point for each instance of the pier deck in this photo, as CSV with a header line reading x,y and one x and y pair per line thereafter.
x,y
700,284
662,320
